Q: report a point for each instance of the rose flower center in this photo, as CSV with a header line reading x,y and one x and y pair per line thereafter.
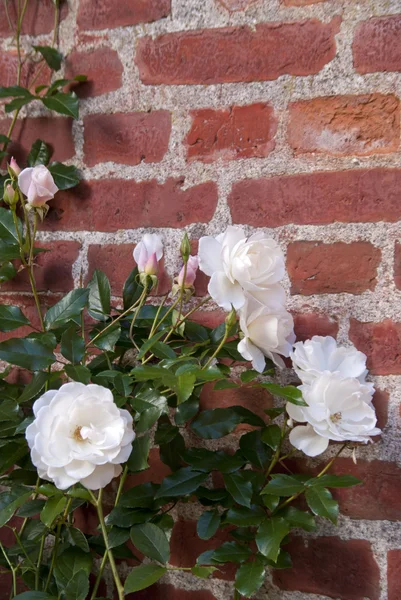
x,y
77,434
336,417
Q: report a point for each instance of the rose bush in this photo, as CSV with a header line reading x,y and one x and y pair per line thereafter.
x,y
109,380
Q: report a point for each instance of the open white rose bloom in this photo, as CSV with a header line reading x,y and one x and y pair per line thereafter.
x,y
79,435
338,397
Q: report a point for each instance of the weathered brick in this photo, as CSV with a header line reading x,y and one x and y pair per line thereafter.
x,y
57,132
104,14
377,45
209,318
394,574
317,268
156,472
343,569
112,204
306,325
163,591
363,195
38,19
236,5
238,132
186,546
345,125
380,402
103,68
202,280
237,54
127,138
116,260
300,2
9,66
381,342
397,265
254,399
53,270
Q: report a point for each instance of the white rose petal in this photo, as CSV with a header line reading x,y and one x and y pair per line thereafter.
x,y
79,435
238,265
339,409
37,184
148,253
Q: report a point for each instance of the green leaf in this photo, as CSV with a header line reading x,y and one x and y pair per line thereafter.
x,y
54,507
271,436
203,572
218,422
209,460
99,296
78,586
143,577
162,350
245,517
149,343
321,503
208,524
72,345
140,496
171,453
65,177
31,508
18,103
187,410
231,552
132,289
52,56
249,578
14,91
270,535
7,272
35,386
70,562
39,155
151,541
334,481
299,518
35,596
8,231
283,485
248,375
8,251
118,536
239,488
254,450
107,340
181,483
78,373
11,317
274,412
76,538
31,354
68,308
64,104
127,517
11,452
289,392
138,460
11,501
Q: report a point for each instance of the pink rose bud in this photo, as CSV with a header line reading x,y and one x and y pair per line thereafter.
x,y
37,184
148,253
14,166
190,276
10,196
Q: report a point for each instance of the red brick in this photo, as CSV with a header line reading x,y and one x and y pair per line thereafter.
x,y
112,204
38,19
128,139
363,195
53,271
394,574
342,569
186,546
237,132
103,68
117,262
254,399
380,402
209,318
306,325
236,5
202,280
8,70
345,125
237,54
317,268
377,45
156,473
164,591
300,2
104,14
381,342
397,265
57,132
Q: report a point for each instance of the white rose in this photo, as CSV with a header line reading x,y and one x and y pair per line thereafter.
x,y
338,409
236,265
148,253
268,331
37,184
79,435
312,358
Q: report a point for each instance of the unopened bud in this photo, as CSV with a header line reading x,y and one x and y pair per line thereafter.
x,y
185,248
148,281
231,319
10,196
14,166
152,266
189,273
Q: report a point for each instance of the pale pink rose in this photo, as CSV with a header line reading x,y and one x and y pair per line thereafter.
x,y
190,275
148,253
37,184
14,165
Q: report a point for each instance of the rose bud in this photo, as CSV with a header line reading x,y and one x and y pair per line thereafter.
x,y
14,166
147,255
37,184
10,196
190,275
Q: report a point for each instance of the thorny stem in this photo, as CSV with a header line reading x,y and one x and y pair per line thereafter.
x,y
157,316
37,573
134,318
123,314
219,347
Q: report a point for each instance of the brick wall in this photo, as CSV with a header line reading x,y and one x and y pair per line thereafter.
x,y
274,114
